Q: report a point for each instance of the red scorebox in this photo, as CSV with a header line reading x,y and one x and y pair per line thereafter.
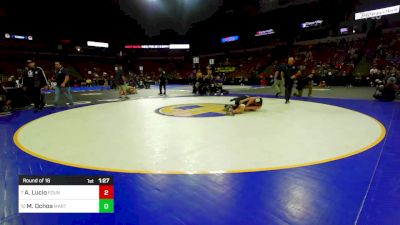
x,y
106,191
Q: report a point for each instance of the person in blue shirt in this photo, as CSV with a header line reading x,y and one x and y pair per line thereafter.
x,y
62,87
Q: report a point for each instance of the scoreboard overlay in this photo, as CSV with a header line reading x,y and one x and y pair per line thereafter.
x,y
66,194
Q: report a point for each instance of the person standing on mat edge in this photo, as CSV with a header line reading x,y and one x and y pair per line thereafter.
x,y
162,81
34,82
62,87
119,81
278,81
290,73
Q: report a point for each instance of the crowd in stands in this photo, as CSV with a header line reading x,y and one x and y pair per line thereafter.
x,y
385,71
332,63
11,97
329,64
385,59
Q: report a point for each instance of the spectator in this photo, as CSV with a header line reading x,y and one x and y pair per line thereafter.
x,y
119,81
5,102
88,82
34,82
278,81
62,86
198,83
303,80
162,81
387,92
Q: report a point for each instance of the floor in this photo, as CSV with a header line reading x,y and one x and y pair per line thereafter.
x,y
315,161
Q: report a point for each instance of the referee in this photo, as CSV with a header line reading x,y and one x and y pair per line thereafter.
x,y
34,81
162,81
290,73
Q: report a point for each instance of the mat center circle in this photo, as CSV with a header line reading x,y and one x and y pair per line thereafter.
x,y
130,137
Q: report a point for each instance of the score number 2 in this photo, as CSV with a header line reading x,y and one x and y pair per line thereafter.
x,y
106,192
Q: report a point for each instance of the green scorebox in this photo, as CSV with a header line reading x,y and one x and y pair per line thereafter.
x,y
106,206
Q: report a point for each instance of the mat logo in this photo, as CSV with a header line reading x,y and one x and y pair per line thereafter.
x,y
193,110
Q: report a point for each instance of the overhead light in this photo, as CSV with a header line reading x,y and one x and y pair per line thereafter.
x,y
265,32
19,37
230,39
179,46
312,24
171,46
97,44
